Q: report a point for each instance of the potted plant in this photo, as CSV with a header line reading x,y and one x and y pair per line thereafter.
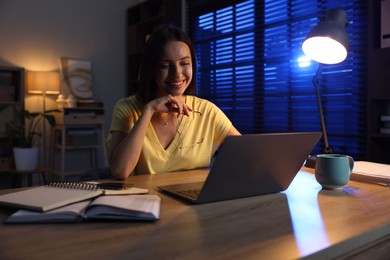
x,y
23,137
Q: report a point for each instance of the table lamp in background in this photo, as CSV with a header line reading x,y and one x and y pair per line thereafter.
x,y
326,43
43,83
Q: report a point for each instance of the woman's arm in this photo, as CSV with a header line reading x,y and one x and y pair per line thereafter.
x,y
125,149
233,131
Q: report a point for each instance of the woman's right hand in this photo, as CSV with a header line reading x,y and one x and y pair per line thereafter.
x,y
168,104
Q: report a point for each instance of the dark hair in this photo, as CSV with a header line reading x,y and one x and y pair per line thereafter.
x,y
152,53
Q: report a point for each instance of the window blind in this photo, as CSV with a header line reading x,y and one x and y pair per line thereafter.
x,y
252,66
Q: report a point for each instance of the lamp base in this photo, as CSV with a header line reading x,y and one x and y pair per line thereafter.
x,y
311,159
311,162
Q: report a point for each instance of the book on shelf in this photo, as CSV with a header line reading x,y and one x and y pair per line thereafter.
x,y
78,113
123,208
371,172
58,194
384,130
386,122
83,111
89,103
385,118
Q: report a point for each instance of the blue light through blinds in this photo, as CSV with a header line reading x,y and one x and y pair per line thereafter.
x,y
252,66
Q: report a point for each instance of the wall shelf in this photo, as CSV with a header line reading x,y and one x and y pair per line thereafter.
x,y
11,97
378,94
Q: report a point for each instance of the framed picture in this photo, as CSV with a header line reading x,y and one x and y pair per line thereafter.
x,y
77,78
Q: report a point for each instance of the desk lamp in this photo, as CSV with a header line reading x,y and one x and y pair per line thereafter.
x,y
326,43
43,83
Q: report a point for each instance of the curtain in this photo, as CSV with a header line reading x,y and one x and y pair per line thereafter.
x,y
252,66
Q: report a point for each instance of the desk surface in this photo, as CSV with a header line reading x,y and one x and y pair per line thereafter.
x,y
303,221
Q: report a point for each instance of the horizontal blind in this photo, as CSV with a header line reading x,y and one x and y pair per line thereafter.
x,y
252,66
224,45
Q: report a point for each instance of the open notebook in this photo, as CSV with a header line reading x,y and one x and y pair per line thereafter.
x,y
123,207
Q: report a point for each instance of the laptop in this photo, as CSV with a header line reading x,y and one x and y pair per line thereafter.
x,y
250,165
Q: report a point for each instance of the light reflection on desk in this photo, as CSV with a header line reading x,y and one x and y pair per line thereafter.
x,y
308,225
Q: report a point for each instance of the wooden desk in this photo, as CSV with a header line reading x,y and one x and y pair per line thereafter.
x,y
305,221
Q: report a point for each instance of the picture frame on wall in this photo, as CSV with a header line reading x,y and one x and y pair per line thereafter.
x,y
77,78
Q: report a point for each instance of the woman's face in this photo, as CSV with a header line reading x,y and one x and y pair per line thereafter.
x,y
174,70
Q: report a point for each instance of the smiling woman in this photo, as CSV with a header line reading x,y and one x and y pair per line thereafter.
x,y
150,130
175,69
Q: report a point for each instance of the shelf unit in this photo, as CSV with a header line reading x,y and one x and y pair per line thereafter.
x,y
378,104
141,20
378,145
11,103
77,129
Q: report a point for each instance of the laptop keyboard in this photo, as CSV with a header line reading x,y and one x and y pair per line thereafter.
x,y
193,193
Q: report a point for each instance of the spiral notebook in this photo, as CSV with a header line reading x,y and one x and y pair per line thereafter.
x,y
58,194
51,196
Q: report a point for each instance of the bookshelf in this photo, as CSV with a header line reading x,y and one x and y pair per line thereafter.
x,y
141,20
378,94
378,105
11,103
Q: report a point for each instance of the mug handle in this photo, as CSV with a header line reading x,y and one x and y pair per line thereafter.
x,y
351,164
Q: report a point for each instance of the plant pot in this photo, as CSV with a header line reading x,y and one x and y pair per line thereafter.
x,y
26,159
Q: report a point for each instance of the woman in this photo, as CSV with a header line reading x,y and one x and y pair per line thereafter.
x,y
165,127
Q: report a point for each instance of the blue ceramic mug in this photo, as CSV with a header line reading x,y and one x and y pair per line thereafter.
x,y
333,171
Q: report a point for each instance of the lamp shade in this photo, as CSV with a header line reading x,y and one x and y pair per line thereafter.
x,y
327,42
39,82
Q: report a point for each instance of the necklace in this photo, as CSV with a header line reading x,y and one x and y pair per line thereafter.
x,y
165,121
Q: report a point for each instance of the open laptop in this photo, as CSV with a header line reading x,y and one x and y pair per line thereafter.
x,y
250,165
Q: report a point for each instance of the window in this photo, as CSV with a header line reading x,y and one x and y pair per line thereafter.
x,y
252,66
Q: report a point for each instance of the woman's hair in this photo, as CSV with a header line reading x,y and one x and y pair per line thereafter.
x,y
153,50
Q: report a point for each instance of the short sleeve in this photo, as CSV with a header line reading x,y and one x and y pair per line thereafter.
x,y
125,113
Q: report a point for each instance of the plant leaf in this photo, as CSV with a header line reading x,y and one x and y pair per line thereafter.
x,y
51,119
4,107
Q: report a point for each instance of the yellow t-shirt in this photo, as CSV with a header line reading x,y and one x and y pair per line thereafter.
x,y
198,136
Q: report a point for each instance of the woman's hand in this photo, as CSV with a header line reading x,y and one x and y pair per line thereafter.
x,y
170,103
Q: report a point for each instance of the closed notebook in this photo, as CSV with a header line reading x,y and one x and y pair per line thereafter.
x,y
371,172
55,195
121,207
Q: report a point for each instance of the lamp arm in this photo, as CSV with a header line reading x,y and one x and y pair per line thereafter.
x,y
327,148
